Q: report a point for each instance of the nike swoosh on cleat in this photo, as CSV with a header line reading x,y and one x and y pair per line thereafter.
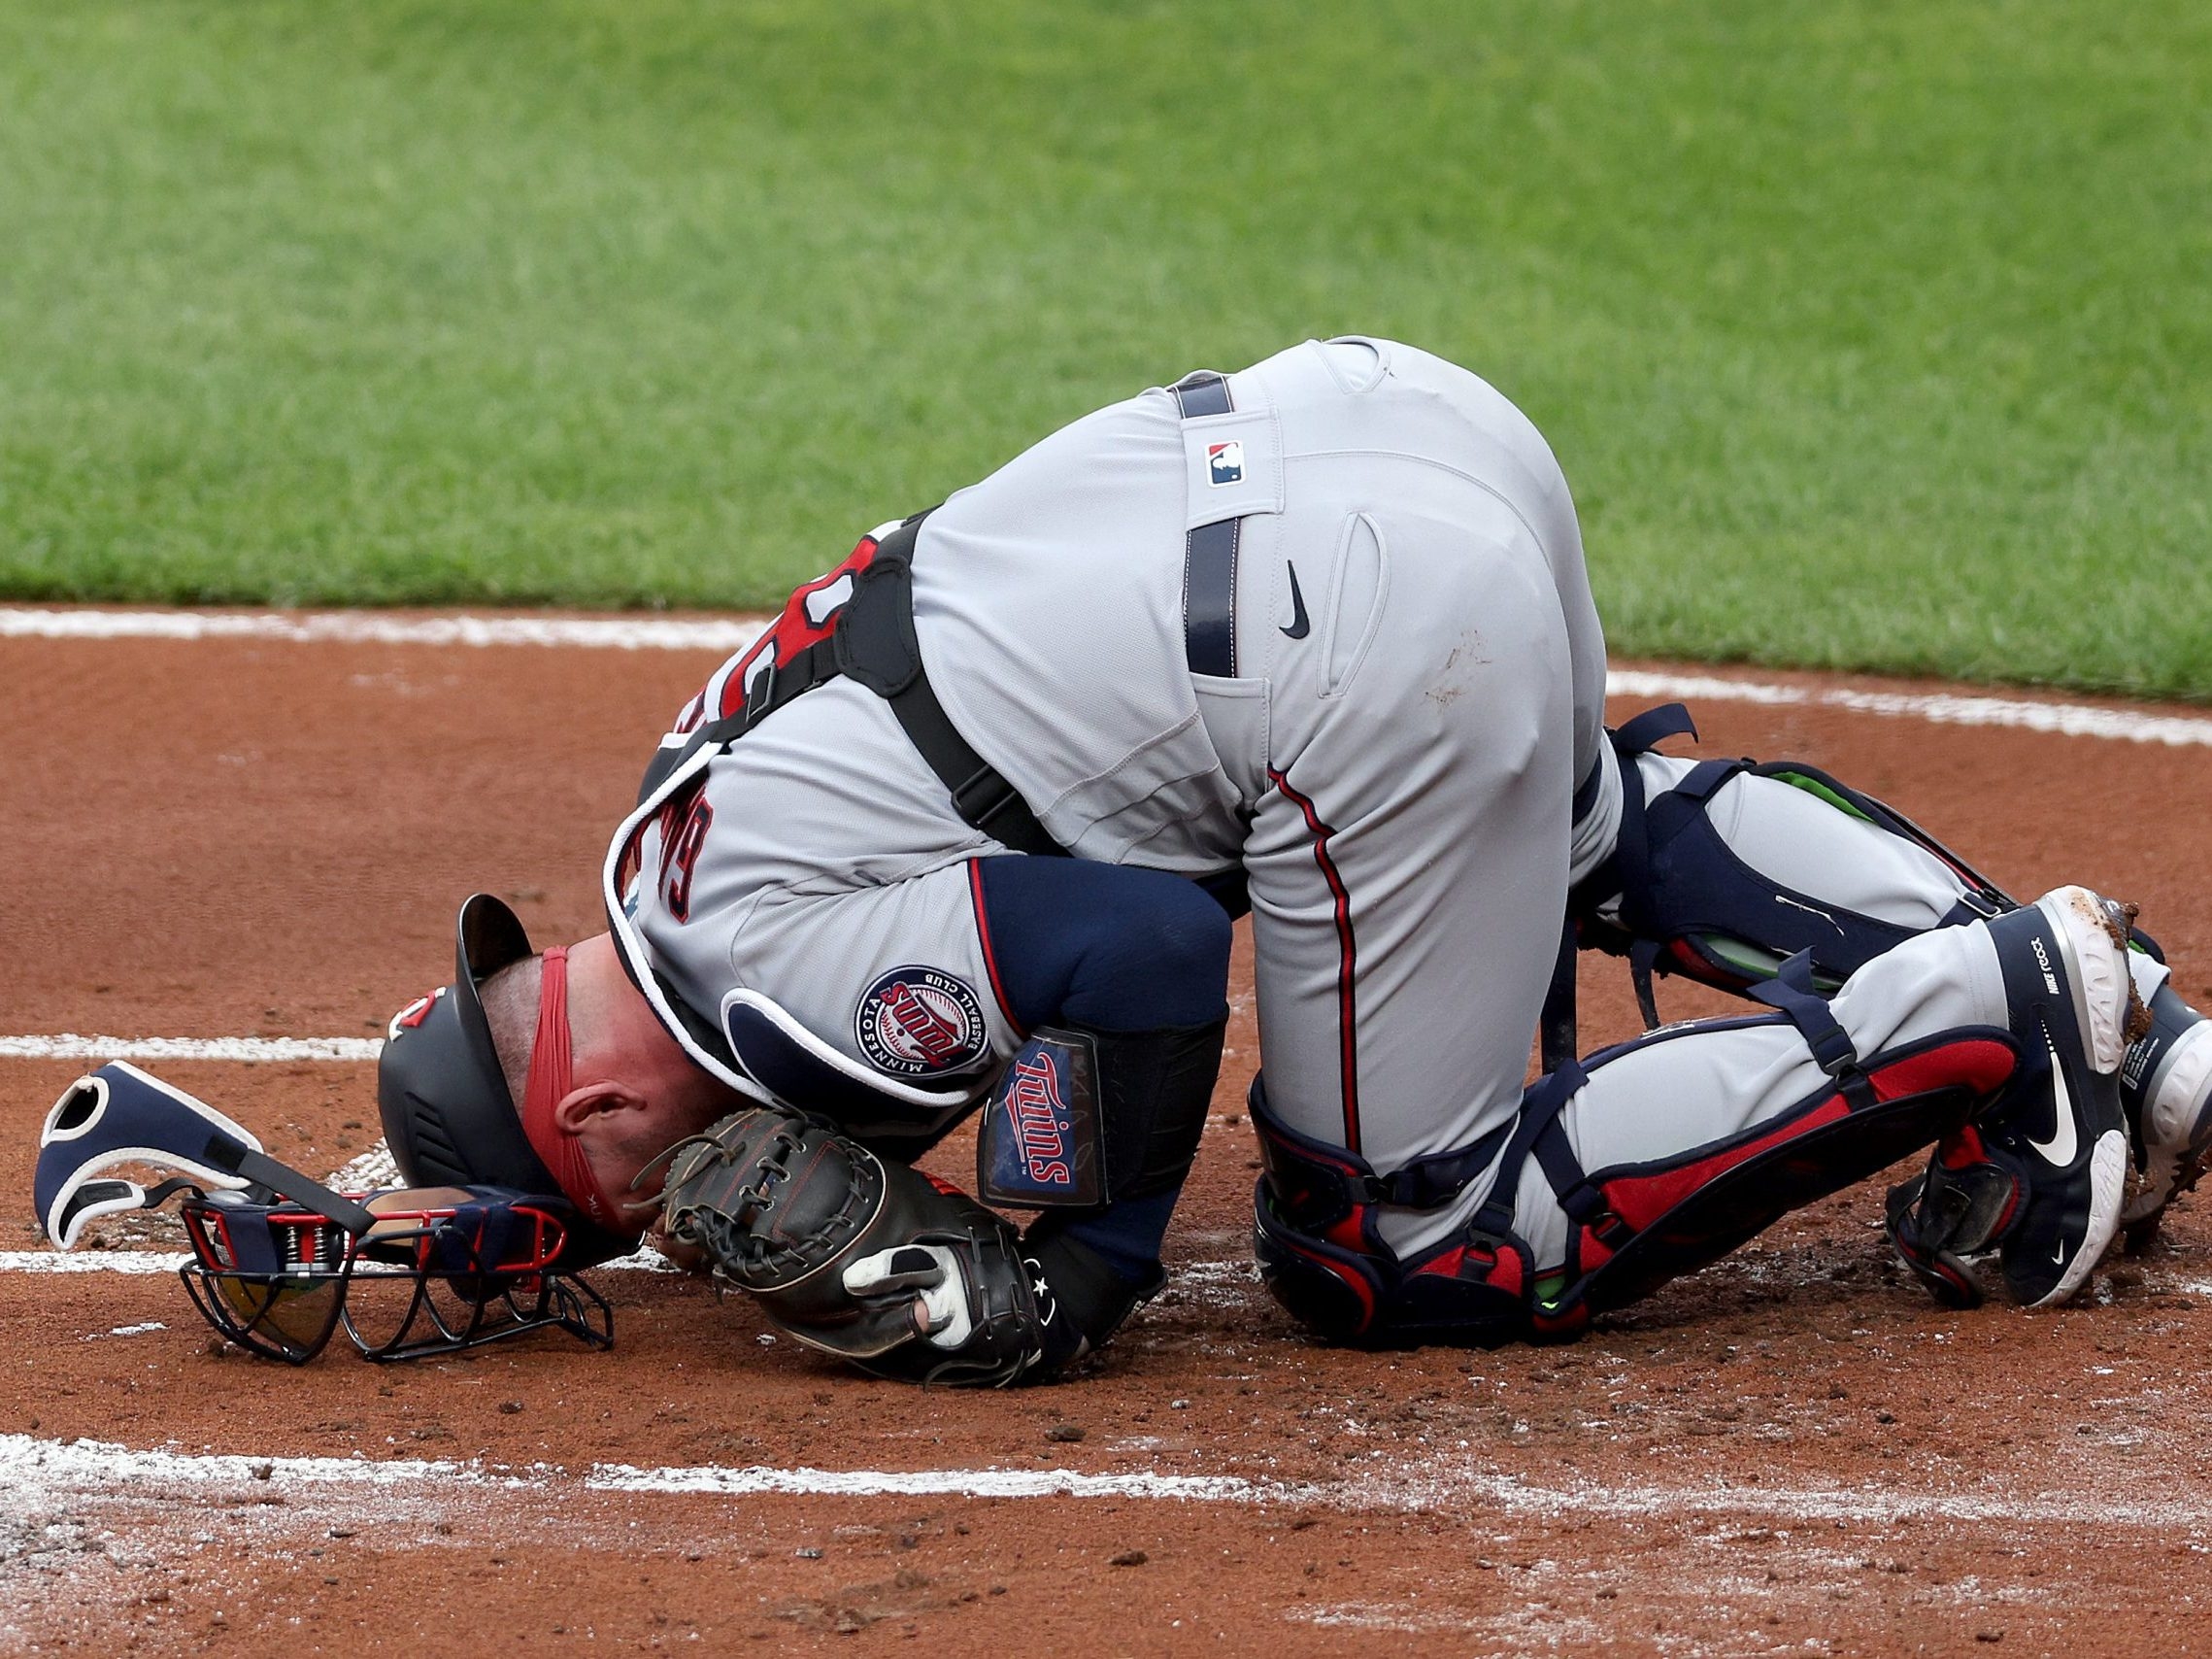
x,y
2058,1150
1300,626
2058,1252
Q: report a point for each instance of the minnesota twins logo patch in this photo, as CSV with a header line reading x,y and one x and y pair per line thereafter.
x,y
917,1022
1224,463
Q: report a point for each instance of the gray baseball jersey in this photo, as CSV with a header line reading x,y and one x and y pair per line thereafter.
x,y
1417,689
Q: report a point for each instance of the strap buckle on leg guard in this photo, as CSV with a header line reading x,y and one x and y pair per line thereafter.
x,y
1536,1132
1319,1185
1791,991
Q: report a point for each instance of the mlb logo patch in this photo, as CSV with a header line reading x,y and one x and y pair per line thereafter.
x,y
1224,462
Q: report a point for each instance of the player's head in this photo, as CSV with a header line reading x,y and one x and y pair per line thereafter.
x,y
548,1073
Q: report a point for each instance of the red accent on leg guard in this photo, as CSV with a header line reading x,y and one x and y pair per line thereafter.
x,y
1641,1199
1978,1065
1501,1270
1352,1231
1974,1063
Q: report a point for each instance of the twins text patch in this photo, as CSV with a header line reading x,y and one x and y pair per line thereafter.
x,y
1039,1144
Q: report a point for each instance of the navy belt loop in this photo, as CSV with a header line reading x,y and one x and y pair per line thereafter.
x,y
1209,599
1203,392
1209,552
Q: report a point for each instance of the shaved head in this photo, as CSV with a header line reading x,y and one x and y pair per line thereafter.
x,y
510,999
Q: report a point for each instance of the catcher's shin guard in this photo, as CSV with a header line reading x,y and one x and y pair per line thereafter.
x,y
1674,897
1315,1238
1634,1227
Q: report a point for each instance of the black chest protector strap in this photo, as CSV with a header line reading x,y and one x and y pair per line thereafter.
x,y
873,641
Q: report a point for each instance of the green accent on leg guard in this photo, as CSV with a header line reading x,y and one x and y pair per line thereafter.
x,y
1815,788
1753,962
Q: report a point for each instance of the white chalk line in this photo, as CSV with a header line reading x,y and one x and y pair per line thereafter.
x,y
34,1467
2070,720
70,1045
29,1464
134,1263
368,627
666,633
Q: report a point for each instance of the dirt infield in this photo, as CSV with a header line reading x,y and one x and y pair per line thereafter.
x,y
1791,1452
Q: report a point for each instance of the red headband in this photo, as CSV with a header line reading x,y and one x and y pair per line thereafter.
x,y
553,1074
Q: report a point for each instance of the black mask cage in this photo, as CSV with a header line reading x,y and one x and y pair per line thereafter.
x,y
438,1269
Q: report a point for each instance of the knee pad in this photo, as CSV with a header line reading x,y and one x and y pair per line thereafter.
x,y
1320,1257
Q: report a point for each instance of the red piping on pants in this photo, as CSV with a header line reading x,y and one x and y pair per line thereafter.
x,y
1347,957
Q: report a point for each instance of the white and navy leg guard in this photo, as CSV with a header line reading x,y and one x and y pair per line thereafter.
x,y
1631,1228
1675,897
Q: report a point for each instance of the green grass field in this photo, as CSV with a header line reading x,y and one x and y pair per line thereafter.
x,y
1870,334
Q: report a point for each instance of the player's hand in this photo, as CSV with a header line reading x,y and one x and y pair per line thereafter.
x,y
931,1273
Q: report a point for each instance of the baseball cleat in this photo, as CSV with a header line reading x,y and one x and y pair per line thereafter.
x,y
2039,1178
2167,1085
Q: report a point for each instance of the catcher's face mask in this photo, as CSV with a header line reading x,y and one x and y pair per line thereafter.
x,y
280,1262
438,1269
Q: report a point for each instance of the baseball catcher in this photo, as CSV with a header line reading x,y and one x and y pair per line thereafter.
x,y
965,830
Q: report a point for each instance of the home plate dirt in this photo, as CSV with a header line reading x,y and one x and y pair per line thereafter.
x,y
262,834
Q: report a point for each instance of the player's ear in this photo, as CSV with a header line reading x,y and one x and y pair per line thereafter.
x,y
575,1110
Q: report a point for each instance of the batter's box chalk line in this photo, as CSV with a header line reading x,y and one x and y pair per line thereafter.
x,y
1943,708
367,627
37,1469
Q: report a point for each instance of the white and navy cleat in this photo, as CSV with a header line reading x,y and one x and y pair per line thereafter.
x,y
2039,1178
2165,1084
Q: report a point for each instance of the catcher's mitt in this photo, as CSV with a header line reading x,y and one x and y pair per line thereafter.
x,y
871,1262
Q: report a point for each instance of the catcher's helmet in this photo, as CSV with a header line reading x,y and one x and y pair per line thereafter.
x,y
448,1114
